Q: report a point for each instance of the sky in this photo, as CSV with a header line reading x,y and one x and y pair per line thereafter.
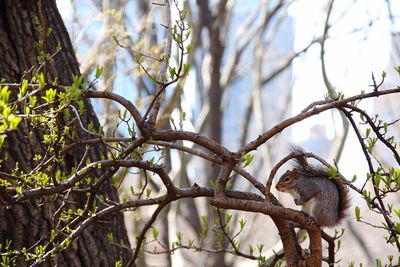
x,y
351,58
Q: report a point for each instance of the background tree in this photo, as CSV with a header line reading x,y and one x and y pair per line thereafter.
x,y
155,158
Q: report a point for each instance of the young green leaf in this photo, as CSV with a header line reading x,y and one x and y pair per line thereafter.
x,y
332,171
115,38
155,233
203,231
367,132
260,248
191,243
148,192
110,237
186,68
99,71
204,219
18,190
22,89
251,249
242,223
179,235
228,217
357,212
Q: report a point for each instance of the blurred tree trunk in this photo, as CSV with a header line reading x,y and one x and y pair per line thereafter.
x,y
214,24
26,224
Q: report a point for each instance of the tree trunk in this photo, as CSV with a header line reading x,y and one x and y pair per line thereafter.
x,y
25,224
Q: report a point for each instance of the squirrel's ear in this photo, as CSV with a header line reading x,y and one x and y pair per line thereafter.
x,y
295,171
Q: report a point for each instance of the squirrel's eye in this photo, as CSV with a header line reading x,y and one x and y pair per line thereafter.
x,y
287,179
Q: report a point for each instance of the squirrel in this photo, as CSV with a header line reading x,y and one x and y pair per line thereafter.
x,y
323,197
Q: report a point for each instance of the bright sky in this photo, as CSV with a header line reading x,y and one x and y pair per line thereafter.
x,y
350,57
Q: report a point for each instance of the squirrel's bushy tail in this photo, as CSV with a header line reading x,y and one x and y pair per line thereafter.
x,y
344,199
320,171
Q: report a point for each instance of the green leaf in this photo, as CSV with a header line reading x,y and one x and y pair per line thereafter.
x,y
377,179
189,48
367,132
80,106
390,258
32,101
151,162
166,58
99,71
52,234
260,247
148,192
18,190
172,72
14,121
41,80
138,58
179,235
6,112
204,219
4,94
49,31
110,237
50,95
76,81
246,159
187,34
213,183
242,223
155,233
191,243
115,39
251,250
339,244
228,218
397,227
186,68
397,212
118,263
332,171
22,89
203,231
357,213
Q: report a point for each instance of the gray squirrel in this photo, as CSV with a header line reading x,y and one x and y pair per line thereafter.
x,y
323,197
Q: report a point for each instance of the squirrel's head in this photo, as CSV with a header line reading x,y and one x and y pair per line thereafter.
x,y
288,180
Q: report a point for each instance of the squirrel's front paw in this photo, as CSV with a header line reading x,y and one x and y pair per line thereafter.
x,y
310,220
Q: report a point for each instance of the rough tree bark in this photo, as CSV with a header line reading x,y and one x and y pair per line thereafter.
x,y
26,224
